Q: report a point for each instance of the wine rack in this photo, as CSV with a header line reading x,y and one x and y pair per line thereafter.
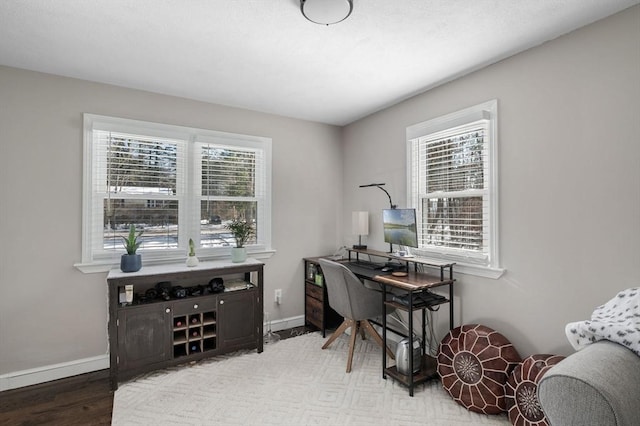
x,y
194,333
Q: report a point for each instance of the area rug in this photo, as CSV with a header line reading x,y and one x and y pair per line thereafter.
x,y
293,382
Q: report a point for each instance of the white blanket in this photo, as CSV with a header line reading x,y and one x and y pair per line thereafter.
x,y
618,320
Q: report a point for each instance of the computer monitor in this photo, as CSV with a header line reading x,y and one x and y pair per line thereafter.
x,y
400,227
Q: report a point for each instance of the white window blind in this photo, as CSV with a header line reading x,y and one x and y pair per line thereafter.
x,y
174,184
452,185
137,181
452,188
230,187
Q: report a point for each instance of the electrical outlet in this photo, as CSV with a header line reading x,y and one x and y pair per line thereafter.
x,y
278,296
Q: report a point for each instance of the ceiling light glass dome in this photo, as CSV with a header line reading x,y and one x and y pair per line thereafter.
x,y
326,12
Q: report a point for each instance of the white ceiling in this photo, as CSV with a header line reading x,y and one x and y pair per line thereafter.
x,y
263,55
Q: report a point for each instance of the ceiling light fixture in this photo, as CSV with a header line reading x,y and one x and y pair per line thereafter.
x,y
326,12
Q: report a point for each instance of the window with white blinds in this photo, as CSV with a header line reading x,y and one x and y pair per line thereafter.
x,y
453,185
174,184
230,187
137,182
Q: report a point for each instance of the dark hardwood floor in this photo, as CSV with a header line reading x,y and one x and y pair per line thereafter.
x,y
86,399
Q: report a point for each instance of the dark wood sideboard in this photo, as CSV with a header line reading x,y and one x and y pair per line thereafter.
x,y
152,333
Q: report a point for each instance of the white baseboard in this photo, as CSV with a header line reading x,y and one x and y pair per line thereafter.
x,y
286,323
18,379
48,373
34,376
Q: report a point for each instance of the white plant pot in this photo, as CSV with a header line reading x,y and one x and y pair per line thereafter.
x,y
192,261
238,254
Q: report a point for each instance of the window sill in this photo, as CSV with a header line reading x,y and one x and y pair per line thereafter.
x,y
107,265
469,268
478,271
463,265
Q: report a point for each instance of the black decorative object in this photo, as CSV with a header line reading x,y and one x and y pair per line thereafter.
x,y
163,290
216,285
179,292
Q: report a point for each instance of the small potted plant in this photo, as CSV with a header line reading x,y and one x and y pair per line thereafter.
x,y
242,231
192,260
131,262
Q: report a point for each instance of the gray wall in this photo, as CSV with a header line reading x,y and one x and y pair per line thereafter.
x,y
569,192
569,167
51,313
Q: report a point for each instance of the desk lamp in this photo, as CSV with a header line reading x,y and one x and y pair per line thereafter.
x,y
380,185
360,225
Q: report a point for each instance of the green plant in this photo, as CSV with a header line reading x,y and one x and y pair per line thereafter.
x,y
131,243
241,230
192,248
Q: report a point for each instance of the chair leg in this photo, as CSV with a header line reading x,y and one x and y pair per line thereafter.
x,y
357,327
366,326
341,329
352,344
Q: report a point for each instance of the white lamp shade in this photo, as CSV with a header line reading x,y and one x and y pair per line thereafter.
x,y
360,223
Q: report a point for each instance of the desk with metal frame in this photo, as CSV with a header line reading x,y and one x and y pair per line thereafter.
x,y
413,283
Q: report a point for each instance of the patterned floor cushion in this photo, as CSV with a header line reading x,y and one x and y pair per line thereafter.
x,y
522,390
474,363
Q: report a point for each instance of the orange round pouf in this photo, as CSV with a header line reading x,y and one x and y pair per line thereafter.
x,y
522,390
474,363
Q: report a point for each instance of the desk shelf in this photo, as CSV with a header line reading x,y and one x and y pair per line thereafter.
x,y
415,282
438,265
405,308
428,371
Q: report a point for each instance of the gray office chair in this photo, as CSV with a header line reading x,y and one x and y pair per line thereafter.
x,y
350,298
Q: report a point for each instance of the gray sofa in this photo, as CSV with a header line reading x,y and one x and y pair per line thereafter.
x,y
598,385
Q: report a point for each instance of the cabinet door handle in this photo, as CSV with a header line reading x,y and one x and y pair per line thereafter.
x,y
222,302
195,306
168,310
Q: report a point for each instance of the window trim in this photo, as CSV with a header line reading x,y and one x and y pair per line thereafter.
x,y
192,136
484,111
